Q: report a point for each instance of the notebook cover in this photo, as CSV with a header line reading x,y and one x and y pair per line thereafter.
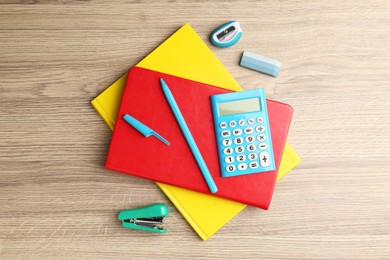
x,y
290,159
149,158
107,103
185,55
205,213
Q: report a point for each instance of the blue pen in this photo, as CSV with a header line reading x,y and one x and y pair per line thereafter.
x,y
187,134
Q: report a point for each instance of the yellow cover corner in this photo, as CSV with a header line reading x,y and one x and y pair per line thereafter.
x,y
199,64
107,103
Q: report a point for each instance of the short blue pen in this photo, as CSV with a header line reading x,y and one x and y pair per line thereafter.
x,y
188,136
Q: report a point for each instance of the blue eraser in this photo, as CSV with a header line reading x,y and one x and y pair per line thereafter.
x,y
260,63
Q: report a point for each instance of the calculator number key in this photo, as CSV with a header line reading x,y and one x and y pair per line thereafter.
x,y
249,139
228,150
252,156
229,159
251,148
230,168
239,149
226,142
241,158
238,140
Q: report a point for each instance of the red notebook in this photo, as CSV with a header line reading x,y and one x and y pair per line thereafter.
x,y
132,153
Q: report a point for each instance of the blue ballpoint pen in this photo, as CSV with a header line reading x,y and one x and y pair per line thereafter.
x,y
188,136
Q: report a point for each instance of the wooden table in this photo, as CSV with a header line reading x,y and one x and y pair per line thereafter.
x,y
57,201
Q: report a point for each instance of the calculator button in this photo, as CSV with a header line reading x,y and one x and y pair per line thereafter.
x,y
223,125
253,165
229,159
230,168
226,142
241,122
251,121
232,123
262,146
249,139
228,150
225,133
241,158
237,132
252,156
251,147
248,130
260,128
264,159
259,120
242,166
238,140
261,137
239,149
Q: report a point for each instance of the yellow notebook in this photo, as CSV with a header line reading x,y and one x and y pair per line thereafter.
x,y
185,55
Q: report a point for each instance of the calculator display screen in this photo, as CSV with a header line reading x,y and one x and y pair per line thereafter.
x,y
239,106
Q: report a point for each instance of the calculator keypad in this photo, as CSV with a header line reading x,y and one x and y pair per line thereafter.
x,y
245,145
242,132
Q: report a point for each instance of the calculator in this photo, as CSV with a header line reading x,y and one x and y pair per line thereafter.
x,y
242,132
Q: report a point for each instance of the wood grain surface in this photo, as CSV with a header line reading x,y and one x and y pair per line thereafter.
x,y
57,201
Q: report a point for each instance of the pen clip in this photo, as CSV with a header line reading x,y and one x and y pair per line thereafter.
x,y
143,129
162,139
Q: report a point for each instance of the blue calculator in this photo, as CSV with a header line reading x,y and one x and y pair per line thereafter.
x,y
243,133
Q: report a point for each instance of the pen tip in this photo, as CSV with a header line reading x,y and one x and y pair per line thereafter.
x,y
162,81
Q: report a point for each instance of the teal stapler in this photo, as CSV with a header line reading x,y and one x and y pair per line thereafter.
x,y
149,218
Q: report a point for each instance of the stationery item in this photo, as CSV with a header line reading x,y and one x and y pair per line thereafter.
x,y
205,213
226,35
188,136
174,165
243,133
143,129
149,218
260,63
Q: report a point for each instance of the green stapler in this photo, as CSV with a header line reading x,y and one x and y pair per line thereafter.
x,y
149,218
